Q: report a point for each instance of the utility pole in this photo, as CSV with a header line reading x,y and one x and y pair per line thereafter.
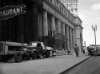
x,y
84,44
94,28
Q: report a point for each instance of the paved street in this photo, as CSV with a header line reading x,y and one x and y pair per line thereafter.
x,y
53,65
90,66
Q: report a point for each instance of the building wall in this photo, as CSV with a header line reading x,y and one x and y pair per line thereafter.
x,y
61,23
44,18
24,27
78,33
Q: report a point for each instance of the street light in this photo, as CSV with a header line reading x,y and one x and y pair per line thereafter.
x,y
94,28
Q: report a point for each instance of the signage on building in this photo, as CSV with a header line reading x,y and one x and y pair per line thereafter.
x,y
10,11
61,8
59,36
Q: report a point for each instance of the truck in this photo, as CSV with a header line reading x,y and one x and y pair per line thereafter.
x,y
13,51
18,52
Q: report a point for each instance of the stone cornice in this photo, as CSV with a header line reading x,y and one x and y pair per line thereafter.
x,y
61,9
56,14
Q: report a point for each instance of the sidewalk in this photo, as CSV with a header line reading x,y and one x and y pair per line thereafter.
x,y
54,65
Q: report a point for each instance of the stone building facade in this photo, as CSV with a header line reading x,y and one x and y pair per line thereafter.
x,y
78,37
43,19
58,20
23,27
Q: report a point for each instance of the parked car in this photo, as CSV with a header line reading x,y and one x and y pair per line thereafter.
x,y
44,51
51,50
92,51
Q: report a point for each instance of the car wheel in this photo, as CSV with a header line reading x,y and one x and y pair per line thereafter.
x,y
11,60
18,58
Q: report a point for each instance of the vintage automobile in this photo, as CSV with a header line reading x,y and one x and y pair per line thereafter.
x,y
45,51
92,50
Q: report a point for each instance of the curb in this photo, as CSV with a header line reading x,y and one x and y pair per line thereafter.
x,y
74,66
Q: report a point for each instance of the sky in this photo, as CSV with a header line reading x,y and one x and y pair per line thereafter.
x,y
89,12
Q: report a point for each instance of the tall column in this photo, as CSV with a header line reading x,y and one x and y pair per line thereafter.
x,y
0,31
70,44
67,37
71,37
68,34
45,23
53,25
20,31
40,26
63,29
63,32
58,26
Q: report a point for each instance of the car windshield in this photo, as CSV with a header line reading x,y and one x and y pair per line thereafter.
x,y
49,48
34,44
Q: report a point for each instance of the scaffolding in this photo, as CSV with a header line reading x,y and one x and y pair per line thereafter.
x,y
72,5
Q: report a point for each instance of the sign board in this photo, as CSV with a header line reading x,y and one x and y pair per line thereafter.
x,y
10,11
59,36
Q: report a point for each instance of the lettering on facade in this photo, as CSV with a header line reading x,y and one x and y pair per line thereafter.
x,y
61,8
11,11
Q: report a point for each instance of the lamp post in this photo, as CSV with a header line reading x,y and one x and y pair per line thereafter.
x,y
94,28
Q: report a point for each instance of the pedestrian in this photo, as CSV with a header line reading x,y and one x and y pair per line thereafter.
x,y
83,50
76,49
39,50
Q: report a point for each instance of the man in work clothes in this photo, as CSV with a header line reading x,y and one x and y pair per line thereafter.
x,y
76,48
